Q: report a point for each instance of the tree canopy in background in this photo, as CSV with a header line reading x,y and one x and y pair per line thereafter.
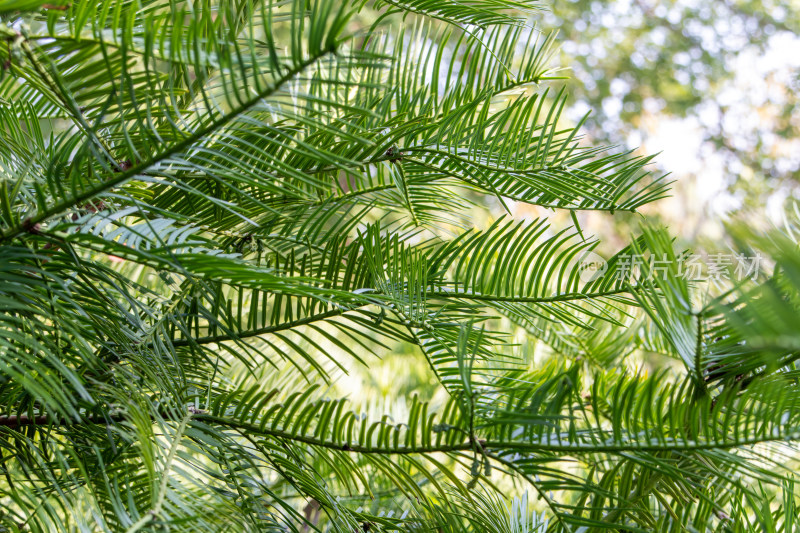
x,y
721,75
215,214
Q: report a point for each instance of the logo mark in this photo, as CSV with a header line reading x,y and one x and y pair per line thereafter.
x,y
591,266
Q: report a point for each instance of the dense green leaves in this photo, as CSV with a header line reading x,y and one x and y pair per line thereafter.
x,y
213,213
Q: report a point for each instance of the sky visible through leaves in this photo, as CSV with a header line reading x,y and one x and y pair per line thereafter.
x,y
712,86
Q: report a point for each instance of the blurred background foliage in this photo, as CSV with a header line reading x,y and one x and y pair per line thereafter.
x,y
711,85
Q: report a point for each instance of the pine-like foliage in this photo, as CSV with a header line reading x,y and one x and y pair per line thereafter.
x,y
210,210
